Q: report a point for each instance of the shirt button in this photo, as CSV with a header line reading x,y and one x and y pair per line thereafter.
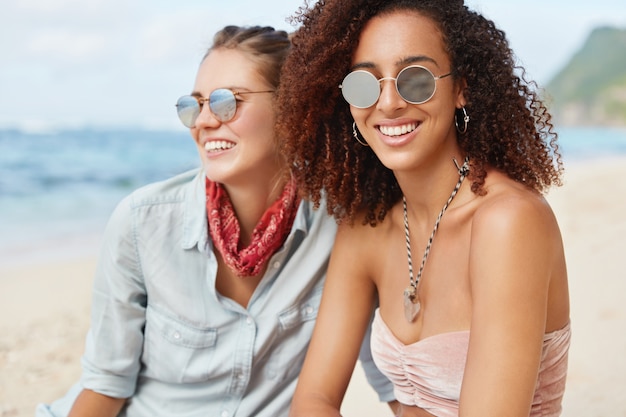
x,y
308,310
224,413
176,335
276,265
249,320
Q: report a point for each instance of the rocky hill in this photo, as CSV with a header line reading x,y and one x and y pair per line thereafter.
x,y
591,88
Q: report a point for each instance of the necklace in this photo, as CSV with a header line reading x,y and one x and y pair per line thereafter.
x,y
411,298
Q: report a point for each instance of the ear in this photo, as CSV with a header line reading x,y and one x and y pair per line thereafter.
x,y
460,96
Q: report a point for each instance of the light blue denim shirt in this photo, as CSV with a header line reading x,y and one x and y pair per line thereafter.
x,y
163,336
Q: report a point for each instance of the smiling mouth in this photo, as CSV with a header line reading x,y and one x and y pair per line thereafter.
x,y
218,145
397,130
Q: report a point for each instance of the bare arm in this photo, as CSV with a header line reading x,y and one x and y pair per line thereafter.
x,y
92,404
395,407
516,253
344,313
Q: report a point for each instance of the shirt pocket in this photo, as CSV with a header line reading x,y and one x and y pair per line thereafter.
x,y
176,351
305,310
295,327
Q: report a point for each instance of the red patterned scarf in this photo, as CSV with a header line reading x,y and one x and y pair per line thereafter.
x,y
268,235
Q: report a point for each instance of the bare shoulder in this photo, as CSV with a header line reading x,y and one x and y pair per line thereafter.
x,y
368,245
364,235
514,229
509,205
516,242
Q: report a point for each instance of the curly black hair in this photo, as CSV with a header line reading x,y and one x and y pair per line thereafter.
x,y
510,129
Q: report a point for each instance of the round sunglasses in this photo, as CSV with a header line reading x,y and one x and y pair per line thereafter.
x,y
415,84
222,103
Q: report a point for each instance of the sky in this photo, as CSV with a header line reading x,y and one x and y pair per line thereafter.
x,y
124,63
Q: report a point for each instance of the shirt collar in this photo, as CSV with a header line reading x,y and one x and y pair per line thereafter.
x,y
195,232
195,223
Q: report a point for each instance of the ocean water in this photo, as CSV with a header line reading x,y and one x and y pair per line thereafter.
x,y
588,143
59,185
55,187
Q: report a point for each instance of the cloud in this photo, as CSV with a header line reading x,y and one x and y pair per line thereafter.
x,y
544,35
61,33
123,62
110,62
66,46
169,39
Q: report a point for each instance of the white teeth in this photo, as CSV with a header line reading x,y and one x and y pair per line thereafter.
x,y
218,145
397,130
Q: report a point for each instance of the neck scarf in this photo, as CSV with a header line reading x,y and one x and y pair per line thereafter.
x,y
268,235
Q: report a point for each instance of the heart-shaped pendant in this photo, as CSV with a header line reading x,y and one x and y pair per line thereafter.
x,y
411,303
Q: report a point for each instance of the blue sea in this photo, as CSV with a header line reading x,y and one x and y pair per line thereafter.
x,y
61,186
57,189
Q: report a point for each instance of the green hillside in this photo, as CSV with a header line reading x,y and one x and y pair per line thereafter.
x,y
591,88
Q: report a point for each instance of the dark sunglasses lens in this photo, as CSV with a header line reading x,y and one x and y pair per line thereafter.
x,y
416,84
360,89
223,104
188,110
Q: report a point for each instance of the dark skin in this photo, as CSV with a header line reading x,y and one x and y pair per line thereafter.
x,y
510,128
477,276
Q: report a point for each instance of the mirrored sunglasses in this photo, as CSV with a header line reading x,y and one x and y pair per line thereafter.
x,y
415,84
222,103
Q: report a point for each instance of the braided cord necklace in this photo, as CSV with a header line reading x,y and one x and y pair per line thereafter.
x,y
411,299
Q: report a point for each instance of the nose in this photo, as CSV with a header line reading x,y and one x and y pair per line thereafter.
x,y
389,99
206,118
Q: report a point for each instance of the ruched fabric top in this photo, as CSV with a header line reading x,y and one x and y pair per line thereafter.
x,y
428,373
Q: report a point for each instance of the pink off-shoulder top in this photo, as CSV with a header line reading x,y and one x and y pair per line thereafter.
x,y
428,373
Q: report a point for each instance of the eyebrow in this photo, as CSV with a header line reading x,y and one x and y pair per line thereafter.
x,y
402,62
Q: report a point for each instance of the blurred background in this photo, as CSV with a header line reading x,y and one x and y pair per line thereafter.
x,y
114,63
87,94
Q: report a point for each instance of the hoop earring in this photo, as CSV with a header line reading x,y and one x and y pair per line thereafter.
x,y
355,133
465,120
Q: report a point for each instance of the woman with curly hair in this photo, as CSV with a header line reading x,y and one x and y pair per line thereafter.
x,y
412,120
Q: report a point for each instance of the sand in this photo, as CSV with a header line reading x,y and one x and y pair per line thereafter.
x,y
45,307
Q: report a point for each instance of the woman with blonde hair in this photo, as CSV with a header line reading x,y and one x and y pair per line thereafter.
x,y
209,283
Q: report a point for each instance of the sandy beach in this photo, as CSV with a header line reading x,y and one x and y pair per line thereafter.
x,y
45,307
